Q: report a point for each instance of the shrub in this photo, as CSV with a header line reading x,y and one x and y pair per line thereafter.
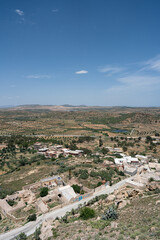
x,y
157,190
44,191
98,160
55,234
21,236
4,192
86,151
151,179
37,234
32,218
93,174
99,184
86,213
111,213
11,202
105,175
76,188
83,174
105,150
121,173
124,148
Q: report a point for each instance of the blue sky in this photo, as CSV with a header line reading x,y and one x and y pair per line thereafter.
x,y
93,52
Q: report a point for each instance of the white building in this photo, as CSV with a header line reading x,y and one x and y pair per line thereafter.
x,y
67,192
126,160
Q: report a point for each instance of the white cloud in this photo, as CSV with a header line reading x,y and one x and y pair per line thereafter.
x,y
19,12
55,10
81,72
135,90
139,81
152,64
111,70
37,76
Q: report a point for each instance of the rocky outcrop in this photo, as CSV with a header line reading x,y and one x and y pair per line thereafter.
x,y
46,230
110,198
121,204
153,186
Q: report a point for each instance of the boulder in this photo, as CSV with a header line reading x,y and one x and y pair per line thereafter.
x,y
157,202
133,193
152,229
121,204
119,196
46,230
114,224
153,186
111,198
56,224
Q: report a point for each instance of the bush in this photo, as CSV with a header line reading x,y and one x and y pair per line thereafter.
x,y
125,149
110,214
21,236
32,218
11,202
83,174
98,160
86,151
86,213
93,174
44,191
99,184
76,188
120,173
5,192
37,234
105,150
151,179
157,190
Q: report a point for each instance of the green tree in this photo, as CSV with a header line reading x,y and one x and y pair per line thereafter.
x,y
100,142
105,150
44,191
86,213
76,188
124,149
32,217
37,234
11,202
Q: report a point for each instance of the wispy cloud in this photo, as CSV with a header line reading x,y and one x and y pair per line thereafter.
x,y
110,69
152,64
139,81
133,89
55,10
81,72
19,12
37,76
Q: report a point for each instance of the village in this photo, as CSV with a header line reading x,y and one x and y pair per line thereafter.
x,y
54,192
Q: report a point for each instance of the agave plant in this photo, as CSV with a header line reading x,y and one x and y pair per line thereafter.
x,y
110,213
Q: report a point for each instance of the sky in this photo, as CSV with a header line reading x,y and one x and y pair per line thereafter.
x,y
92,52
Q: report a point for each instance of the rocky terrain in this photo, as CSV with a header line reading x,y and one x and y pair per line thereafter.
x,y
138,218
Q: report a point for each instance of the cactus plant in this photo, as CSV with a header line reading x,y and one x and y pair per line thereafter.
x,y
109,214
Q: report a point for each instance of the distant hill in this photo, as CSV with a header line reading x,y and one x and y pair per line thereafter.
x,y
68,107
